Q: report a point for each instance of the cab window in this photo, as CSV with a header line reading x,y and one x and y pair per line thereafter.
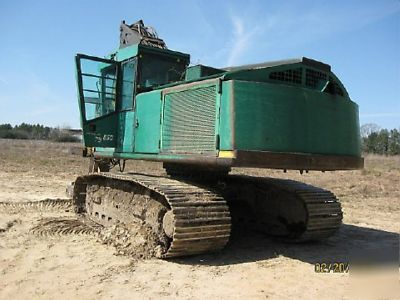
x,y
155,70
128,71
99,81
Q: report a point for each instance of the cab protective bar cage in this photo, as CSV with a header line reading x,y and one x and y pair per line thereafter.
x,y
79,75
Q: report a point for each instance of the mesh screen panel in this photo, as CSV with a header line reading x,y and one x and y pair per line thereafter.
x,y
292,75
189,121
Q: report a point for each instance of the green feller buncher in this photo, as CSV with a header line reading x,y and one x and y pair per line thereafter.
x,y
145,102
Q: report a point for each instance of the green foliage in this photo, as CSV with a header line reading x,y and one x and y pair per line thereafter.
x,y
5,127
386,142
36,132
394,142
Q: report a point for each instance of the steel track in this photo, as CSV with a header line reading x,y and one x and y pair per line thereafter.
x,y
319,213
202,220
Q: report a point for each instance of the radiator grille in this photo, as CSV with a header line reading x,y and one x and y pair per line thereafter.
x,y
189,121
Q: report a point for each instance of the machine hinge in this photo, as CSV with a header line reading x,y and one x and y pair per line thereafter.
x,y
219,87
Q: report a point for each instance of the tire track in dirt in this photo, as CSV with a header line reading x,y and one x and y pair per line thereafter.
x,y
42,205
48,227
54,226
60,224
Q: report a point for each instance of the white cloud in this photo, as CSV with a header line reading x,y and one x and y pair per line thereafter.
x,y
239,40
242,39
290,26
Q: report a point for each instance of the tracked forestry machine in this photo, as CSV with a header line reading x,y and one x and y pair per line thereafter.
x,y
145,102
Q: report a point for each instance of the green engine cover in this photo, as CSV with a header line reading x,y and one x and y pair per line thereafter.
x,y
273,117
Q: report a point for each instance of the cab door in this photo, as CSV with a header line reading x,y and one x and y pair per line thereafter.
x,y
126,106
97,90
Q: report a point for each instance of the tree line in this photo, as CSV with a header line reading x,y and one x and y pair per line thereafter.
x,y
380,141
36,132
373,138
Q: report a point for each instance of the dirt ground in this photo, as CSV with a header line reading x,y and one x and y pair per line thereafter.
x,y
253,266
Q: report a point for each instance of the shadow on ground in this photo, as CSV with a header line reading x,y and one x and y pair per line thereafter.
x,y
351,244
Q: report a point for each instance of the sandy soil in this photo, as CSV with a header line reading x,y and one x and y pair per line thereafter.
x,y
253,266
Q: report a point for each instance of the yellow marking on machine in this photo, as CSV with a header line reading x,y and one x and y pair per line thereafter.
x,y
226,154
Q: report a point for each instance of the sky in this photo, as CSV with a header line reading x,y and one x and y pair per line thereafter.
x,y
39,39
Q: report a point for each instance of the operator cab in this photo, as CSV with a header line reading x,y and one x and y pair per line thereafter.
x,y
108,86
